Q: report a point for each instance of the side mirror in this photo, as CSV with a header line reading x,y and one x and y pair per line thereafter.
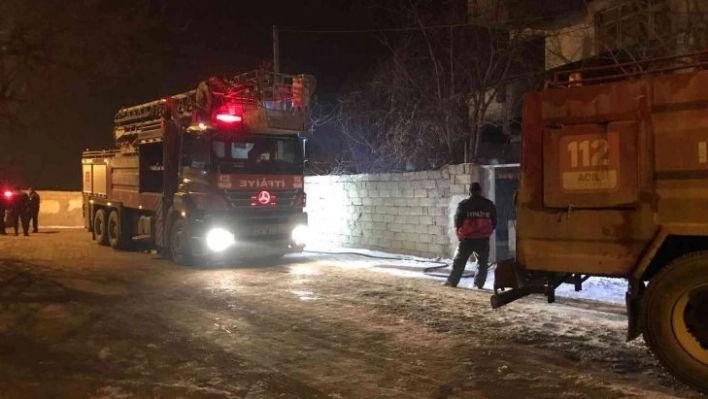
x,y
305,156
305,152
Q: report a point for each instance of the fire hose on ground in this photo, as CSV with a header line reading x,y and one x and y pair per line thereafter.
x,y
429,271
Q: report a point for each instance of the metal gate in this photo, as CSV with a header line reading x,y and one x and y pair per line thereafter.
x,y
499,183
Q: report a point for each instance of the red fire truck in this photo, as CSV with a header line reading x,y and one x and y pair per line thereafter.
x,y
213,173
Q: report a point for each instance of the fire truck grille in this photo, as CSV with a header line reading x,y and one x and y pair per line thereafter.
x,y
276,199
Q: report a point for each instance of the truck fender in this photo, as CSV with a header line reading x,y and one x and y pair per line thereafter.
x,y
666,230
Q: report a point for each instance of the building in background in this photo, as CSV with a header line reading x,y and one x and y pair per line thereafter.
x,y
571,34
628,30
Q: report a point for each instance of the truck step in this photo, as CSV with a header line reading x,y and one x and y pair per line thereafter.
x,y
142,238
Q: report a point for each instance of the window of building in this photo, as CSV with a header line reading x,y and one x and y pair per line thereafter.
x,y
697,24
632,22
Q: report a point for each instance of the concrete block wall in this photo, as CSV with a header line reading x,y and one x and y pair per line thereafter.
x,y
409,213
60,208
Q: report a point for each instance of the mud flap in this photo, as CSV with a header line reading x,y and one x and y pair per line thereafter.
x,y
161,225
510,275
506,277
90,216
633,300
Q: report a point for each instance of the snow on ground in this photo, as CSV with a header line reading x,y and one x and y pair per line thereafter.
x,y
603,289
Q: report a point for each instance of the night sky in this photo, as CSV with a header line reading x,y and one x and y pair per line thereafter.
x,y
190,43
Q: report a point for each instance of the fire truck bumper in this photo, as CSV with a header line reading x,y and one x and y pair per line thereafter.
x,y
227,239
244,250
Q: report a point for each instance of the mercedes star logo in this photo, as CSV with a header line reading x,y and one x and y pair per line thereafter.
x,y
264,197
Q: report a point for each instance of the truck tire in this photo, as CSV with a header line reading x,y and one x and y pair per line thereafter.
x,y
117,233
180,245
100,228
674,322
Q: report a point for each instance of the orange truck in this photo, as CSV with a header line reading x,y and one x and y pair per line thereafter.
x,y
614,182
210,174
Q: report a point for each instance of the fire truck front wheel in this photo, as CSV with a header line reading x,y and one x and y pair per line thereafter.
x,y
180,245
100,228
674,322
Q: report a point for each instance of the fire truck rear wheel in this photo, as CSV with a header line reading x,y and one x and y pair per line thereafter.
x,y
100,228
117,234
180,246
673,318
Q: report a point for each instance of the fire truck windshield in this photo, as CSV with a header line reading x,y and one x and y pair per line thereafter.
x,y
257,155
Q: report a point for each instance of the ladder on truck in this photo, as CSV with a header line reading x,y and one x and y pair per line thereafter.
x,y
269,102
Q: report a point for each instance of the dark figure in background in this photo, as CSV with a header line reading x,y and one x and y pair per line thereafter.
x,y
20,212
33,207
3,207
475,221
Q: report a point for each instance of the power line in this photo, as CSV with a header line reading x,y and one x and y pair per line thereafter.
x,y
546,33
500,23
418,28
412,28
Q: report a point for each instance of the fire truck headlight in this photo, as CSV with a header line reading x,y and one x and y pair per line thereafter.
x,y
301,234
218,239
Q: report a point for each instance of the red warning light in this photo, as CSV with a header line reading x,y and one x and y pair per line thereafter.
x,y
7,194
229,113
228,118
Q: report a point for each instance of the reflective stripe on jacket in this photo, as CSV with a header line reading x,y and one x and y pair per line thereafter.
x,y
476,217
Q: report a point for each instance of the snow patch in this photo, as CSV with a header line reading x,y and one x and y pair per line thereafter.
x,y
603,289
305,295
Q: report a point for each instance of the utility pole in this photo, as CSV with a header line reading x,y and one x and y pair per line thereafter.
x,y
276,66
276,50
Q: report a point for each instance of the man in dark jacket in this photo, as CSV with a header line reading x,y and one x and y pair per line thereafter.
x,y
20,211
475,221
33,209
3,207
